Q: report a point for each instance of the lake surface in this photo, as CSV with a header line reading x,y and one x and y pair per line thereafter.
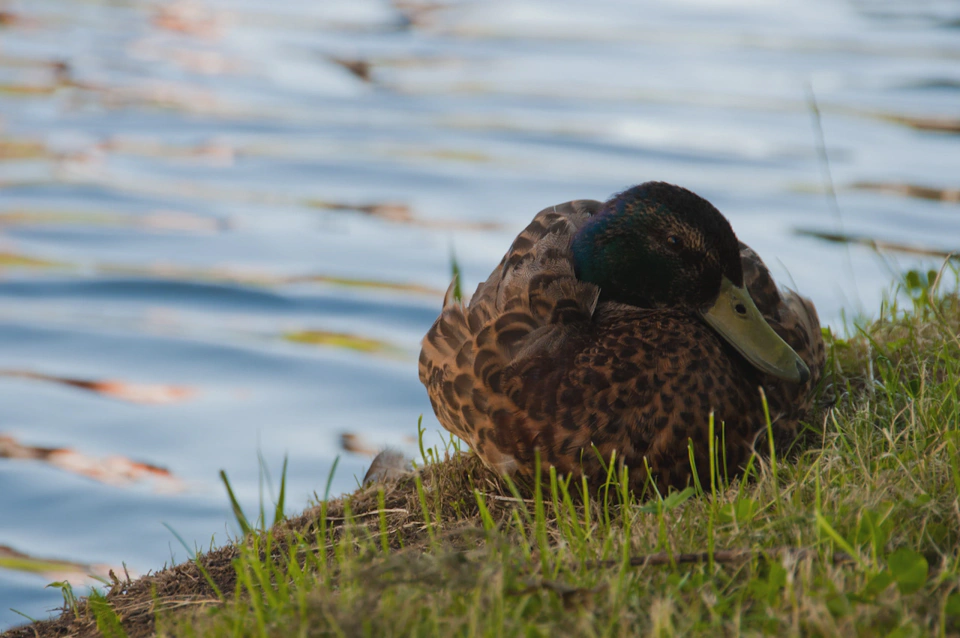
x,y
225,225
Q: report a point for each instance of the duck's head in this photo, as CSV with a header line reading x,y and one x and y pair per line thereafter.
x,y
658,245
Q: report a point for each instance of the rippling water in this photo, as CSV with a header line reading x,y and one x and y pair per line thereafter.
x,y
224,226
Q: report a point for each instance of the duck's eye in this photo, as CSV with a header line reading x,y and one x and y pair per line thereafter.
x,y
741,309
673,241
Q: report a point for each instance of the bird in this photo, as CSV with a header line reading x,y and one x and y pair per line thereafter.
x,y
618,332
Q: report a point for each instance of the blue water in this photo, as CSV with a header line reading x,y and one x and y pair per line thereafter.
x,y
190,182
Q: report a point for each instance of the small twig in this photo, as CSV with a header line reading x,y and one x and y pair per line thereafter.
x,y
189,603
395,510
509,499
720,556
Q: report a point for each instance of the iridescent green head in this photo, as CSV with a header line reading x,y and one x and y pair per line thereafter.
x,y
657,245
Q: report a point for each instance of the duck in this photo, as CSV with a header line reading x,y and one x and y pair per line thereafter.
x,y
624,331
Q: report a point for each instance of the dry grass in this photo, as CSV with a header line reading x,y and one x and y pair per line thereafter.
x,y
856,532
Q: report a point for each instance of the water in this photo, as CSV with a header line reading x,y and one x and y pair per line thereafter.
x,y
202,182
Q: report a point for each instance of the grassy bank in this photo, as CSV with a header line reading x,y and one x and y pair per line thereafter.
x,y
855,532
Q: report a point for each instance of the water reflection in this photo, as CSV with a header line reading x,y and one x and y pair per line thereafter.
x,y
226,224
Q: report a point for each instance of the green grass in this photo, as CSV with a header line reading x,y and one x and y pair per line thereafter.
x,y
855,532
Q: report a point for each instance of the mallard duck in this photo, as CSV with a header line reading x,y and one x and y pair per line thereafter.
x,y
621,326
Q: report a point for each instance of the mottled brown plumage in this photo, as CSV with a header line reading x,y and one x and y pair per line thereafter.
x,y
540,360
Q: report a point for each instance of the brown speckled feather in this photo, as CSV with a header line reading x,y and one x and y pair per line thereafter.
x,y
535,363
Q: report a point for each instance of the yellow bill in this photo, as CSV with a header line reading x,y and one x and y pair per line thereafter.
x,y
738,320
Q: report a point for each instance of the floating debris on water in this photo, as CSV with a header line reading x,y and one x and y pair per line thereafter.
x,y
878,244
216,152
159,220
51,568
14,260
364,283
911,190
357,444
11,149
133,392
359,68
417,14
342,340
112,470
937,124
400,213
190,17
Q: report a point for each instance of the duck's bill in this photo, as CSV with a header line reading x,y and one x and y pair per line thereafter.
x,y
738,320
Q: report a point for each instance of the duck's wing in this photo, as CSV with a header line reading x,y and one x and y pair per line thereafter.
x,y
795,319
525,307
536,276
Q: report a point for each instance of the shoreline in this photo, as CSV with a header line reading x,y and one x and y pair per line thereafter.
x,y
855,530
